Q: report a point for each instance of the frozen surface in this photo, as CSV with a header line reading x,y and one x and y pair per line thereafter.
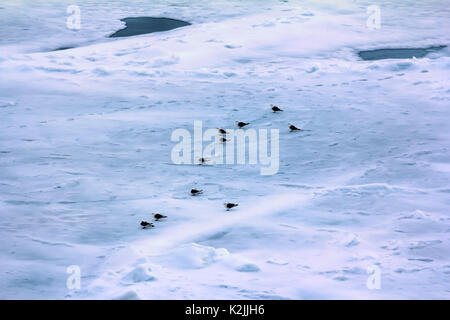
x,y
85,151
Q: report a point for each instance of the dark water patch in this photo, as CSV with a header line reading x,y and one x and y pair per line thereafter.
x,y
143,25
63,48
58,49
26,203
399,53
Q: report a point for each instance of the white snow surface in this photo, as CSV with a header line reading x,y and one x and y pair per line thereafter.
x,y
85,151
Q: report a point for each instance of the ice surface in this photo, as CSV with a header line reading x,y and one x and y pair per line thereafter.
x,y
85,151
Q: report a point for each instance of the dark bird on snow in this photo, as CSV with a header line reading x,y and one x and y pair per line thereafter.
x,y
221,131
195,192
222,139
158,216
241,124
202,160
146,224
229,205
275,108
293,128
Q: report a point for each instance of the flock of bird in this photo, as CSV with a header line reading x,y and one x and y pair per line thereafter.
x,y
195,192
274,108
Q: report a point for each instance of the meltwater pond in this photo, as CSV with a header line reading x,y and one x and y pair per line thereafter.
x,y
143,25
399,53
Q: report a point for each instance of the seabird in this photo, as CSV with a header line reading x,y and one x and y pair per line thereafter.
x,y
221,131
275,108
195,192
293,128
146,224
158,216
229,205
222,139
202,160
241,124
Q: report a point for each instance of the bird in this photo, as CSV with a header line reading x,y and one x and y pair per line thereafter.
x,y
202,160
195,192
229,205
221,131
222,139
158,216
241,124
293,128
275,108
146,224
